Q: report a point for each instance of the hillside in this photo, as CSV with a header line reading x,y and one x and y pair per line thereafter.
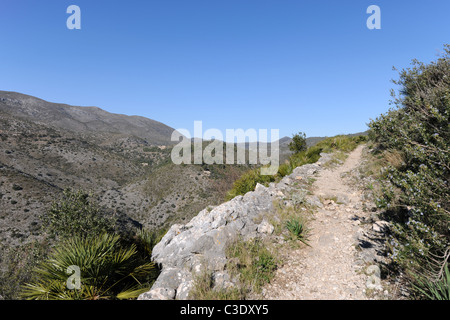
x,y
99,124
47,147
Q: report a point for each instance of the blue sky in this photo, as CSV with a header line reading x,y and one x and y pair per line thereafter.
x,y
292,65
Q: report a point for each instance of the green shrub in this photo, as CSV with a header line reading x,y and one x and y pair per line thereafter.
x,y
416,189
265,266
76,214
298,143
16,265
284,169
146,240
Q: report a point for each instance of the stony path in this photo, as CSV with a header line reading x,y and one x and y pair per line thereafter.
x,y
328,269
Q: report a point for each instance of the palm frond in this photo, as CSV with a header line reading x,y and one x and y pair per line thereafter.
x,y
436,290
131,293
106,269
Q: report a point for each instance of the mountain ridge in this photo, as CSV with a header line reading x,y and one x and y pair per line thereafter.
x,y
92,120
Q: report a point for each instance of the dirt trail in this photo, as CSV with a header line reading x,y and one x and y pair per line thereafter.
x,y
328,269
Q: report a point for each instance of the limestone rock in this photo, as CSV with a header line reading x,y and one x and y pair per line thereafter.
x,y
158,294
374,280
265,227
314,201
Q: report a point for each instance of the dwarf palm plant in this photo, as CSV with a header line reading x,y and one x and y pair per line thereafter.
x,y
297,230
436,290
108,270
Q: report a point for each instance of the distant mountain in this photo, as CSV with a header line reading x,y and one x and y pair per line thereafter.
x,y
105,126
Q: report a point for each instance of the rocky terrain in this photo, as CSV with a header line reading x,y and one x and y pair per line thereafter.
x,y
185,248
343,259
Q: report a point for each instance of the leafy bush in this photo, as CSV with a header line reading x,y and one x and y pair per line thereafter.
x,y
265,266
109,269
416,189
298,143
76,214
16,265
285,169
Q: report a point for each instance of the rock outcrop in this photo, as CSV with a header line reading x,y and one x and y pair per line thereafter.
x,y
186,249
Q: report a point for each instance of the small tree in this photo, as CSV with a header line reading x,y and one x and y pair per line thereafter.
x,y
298,143
76,214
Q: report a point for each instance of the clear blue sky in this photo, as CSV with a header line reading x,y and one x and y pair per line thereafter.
x,y
292,65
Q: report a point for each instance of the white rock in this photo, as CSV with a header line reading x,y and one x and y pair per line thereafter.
x,y
265,227
374,280
259,187
158,294
380,226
